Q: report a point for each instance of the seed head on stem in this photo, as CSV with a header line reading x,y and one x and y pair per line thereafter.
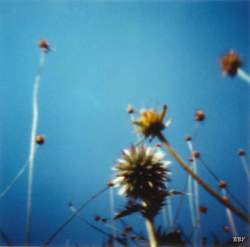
x,y
230,63
150,124
44,45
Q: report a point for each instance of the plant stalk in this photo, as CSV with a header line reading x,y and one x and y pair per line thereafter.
x,y
151,232
244,216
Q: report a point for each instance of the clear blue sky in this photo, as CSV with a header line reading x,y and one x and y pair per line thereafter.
x,y
109,54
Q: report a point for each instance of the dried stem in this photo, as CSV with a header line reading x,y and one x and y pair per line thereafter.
x,y
151,232
213,193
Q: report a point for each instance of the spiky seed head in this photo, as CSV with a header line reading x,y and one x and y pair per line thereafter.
x,y
150,122
230,63
141,172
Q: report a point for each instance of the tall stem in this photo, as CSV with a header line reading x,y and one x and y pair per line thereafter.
x,y
212,192
151,232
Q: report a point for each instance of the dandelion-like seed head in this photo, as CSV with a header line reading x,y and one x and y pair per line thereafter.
x,y
230,63
141,172
150,122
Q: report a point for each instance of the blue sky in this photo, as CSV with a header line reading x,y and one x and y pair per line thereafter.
x,y
110,54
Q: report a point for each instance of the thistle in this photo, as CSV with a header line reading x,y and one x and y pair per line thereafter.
x,y
150,124
141,173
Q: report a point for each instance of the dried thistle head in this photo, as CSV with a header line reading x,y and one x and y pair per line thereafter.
x,y
230,63
141,172
150,122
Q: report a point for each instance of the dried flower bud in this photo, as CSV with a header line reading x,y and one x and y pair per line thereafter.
x,y
97,218
195,154
226,228
191,159
188,138
222,184
110,184
44,45
230,63
199,116
241,152
203,209
130,109
104,220
40,139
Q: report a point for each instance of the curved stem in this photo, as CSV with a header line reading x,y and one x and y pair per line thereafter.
x,y
32,151
151,232
212,192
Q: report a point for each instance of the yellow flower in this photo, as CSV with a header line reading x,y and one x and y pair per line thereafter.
x,y
150,122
